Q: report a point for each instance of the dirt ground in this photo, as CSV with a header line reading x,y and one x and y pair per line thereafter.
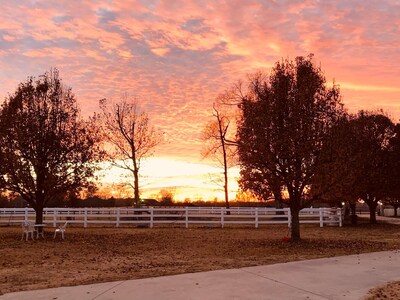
x,y
90,255
387,291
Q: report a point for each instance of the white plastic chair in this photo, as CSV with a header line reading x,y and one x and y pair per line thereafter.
x,y
61,229
27,228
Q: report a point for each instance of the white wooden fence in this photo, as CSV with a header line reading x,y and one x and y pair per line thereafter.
x,y
152,216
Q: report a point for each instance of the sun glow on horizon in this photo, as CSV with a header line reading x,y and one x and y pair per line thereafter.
x,y
187,180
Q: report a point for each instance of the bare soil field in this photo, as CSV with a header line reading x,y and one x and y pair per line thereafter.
x,y
90,255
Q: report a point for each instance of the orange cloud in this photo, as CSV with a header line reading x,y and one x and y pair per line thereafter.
x,y
176,56
374,88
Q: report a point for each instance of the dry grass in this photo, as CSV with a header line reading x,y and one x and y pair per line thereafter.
x,y
105,254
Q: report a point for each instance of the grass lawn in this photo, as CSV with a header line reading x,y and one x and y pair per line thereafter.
x,y
90,255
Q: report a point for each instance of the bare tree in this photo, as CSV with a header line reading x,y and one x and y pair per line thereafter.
x,y
218,145
128,135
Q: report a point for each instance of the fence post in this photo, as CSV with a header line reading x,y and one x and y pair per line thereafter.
x,y
256,216
151,217
85,218
26,214
54,217
339,212
289,218
187,217
321,218
222,216
118,215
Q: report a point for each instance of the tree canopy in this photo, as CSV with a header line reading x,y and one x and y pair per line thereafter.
x,y
373,163
285,121
47,150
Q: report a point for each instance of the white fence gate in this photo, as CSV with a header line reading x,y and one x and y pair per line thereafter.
x,y
151,216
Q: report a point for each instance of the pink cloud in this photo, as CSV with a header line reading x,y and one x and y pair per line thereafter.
x,y
176,56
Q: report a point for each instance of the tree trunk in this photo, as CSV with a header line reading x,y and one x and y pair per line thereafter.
x,y
136,188
278,199
372,212
226,183
135,174
40,198
295,226
223,145
39,218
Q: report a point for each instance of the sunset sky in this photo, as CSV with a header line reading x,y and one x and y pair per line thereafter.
x,y
176,56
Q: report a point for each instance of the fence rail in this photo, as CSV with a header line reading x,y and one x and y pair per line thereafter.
x,y
151,216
